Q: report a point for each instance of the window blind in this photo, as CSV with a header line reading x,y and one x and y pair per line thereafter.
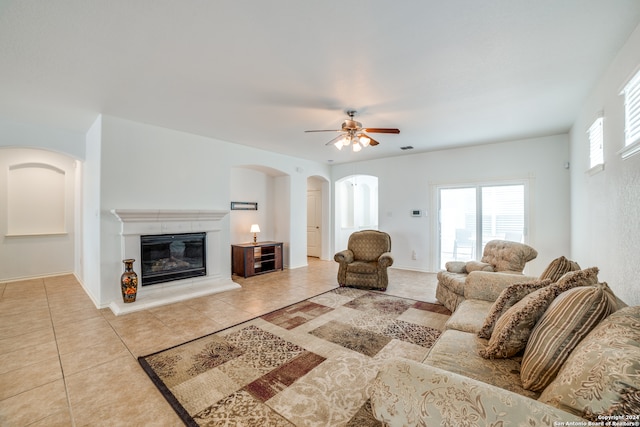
x,y
632,110
596,139
503,212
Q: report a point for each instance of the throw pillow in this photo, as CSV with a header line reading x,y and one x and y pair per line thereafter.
x,y
513,328
601,373
507,298
586,277
557,268
478,266
569,318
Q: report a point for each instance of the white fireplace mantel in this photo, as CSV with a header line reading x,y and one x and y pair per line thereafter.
x,y
138,222
161,215
164,221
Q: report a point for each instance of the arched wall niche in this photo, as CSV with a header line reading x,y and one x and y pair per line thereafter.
x,y
39,191
36,199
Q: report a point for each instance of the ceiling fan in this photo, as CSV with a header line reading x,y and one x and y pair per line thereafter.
x,y
352,133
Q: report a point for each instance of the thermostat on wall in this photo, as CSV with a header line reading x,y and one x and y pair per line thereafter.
x,y
416,212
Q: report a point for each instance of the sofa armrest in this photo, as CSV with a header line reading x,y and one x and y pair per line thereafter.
x,y
385,260
456,267
345,256
410,393
487,286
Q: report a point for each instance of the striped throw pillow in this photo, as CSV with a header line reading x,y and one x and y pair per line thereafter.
x,y
557,268
569,318
612,351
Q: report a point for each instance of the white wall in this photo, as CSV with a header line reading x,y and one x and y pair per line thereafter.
x,y
283,198
407,182
605,207
89,250
249,185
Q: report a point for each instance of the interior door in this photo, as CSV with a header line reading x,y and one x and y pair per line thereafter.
x,y
314,221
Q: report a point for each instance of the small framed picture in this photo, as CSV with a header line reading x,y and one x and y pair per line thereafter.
x,y
244,206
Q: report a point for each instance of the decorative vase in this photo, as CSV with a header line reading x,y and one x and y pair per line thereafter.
x,y
129,281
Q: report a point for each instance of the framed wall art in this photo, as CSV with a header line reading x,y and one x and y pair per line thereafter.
x,y
244,206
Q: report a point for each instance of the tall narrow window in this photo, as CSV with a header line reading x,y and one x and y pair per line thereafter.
x,y
596,147
631,94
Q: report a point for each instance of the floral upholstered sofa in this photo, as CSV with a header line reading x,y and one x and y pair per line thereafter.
x,y
548,351
502,263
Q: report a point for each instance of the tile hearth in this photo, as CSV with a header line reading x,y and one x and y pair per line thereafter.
x,y
63,362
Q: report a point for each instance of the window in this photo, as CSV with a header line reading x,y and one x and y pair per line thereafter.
x,y
631,94
473,215
596,137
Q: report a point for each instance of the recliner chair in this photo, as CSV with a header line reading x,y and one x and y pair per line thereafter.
x,y
364,263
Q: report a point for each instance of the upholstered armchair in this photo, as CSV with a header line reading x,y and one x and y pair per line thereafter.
x,y
364,263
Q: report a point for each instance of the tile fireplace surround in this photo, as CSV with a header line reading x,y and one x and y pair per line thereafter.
x,y
137,222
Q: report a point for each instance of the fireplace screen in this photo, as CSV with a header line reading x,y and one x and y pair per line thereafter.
x,y
170,257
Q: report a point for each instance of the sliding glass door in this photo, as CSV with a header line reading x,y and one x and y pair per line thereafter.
x,y
470,216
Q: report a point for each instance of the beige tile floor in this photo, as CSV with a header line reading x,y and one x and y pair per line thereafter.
x,y
65,363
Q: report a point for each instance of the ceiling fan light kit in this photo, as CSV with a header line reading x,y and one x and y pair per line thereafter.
x,y
353,134
358,142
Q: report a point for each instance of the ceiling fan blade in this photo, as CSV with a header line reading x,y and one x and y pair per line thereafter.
x,y
325,130
373,142
334,140
382,130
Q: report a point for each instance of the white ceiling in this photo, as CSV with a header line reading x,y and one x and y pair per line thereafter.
x,y
259,73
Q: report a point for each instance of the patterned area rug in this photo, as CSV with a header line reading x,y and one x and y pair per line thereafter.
x,y
308,364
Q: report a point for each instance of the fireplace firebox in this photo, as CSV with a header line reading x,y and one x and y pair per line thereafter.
x,y
168,257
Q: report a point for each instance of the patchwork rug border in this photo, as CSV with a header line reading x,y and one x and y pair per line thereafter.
x,y
166,393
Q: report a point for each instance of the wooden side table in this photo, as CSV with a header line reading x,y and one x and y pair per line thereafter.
x,y
249,260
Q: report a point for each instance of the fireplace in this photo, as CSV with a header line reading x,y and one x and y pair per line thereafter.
x,y
213,275
168,257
